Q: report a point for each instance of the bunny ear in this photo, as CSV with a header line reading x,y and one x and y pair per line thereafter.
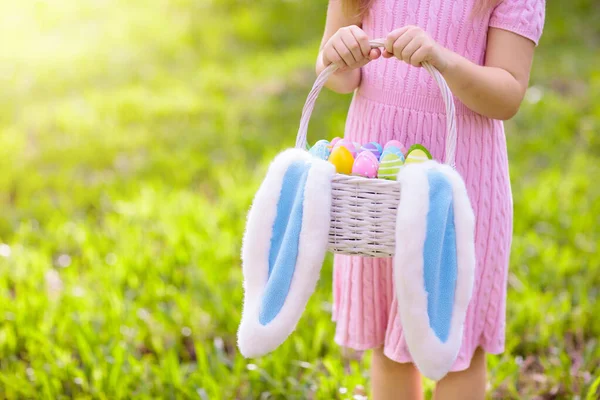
x,y
284,247
434,264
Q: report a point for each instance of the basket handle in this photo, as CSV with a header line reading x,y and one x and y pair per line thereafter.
x,y
451,137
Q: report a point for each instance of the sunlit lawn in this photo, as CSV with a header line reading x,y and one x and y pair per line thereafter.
x,y
133,136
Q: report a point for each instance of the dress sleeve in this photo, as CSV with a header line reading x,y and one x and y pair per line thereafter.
x,y
523,17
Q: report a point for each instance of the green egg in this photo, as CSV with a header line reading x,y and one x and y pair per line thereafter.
x,y
389,166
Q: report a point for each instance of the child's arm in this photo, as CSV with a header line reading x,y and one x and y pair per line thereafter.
x,y
346,45
495,89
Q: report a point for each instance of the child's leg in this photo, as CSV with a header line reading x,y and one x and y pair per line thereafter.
x,y
464,385
392,380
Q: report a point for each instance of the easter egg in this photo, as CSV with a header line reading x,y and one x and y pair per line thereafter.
x,y
366,165
320,150
323,141
394,150
348,144
342,159
397,144
378,146
374,148
389,165
334,141
417,154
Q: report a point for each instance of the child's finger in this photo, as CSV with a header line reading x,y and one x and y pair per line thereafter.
x,y
362,39
386,54
410,49
374,54
331,56
402,42
353,46
344,53
392,37
419,56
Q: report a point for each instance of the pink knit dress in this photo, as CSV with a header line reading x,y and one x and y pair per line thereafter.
x,y
398,101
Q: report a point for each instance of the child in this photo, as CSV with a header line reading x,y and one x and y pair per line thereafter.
x,y
484,49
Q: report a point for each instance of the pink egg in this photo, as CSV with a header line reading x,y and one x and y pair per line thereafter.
x,y
365,165
348,144
334,141
396,143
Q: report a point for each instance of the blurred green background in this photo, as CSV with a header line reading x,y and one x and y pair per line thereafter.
x,y
133,136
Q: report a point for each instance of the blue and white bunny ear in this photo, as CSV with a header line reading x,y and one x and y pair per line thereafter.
x,y
284,248
434,264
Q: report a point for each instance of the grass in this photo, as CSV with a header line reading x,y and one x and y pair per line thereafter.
x,y
133,137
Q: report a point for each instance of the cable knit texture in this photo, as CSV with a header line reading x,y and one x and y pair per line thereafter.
x,y
397,101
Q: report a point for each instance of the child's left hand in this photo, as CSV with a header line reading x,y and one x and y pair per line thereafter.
x,y
413,45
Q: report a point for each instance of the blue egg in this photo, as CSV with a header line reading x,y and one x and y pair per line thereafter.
x,y
321,150
393,150
323,141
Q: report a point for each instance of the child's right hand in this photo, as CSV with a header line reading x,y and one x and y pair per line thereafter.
x,y
349,48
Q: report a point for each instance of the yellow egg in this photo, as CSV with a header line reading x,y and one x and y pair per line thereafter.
x,y
342,159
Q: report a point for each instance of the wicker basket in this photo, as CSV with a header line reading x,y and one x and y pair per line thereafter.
x,y
363,211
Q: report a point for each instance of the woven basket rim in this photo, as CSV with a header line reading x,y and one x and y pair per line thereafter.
x,y
361,180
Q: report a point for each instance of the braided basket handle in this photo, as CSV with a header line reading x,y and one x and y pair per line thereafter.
x,y
451,137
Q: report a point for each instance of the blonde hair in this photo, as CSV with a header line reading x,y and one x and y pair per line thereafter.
x,y
358,8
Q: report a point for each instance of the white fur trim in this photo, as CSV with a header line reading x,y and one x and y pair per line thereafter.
x,y
255,339
431,356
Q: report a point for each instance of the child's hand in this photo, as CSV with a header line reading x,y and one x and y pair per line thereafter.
x,y
413,45
349,48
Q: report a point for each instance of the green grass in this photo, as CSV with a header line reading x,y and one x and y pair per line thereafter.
x,y
133,136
